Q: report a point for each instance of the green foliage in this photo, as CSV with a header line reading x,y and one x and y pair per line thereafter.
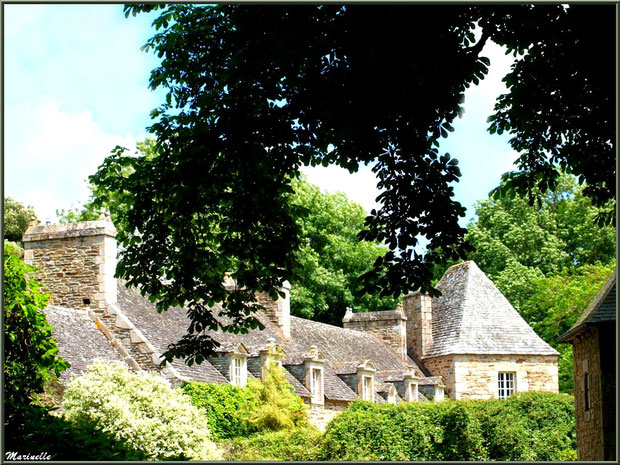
x,y
226,408
62,440
86,213
269,90
408,431
529,426
560,105
297,444
103,200
141,410
549,260
555,304
16,219
30,352
278,406
331,258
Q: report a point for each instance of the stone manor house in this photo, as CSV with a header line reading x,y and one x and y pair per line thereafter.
x,y
470,343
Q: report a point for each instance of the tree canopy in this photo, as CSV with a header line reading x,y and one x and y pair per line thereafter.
x,y
254,93
330,258
16,219
30,352
549,260
516,243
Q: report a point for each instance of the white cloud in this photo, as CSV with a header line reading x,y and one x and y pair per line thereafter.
x,y
49,154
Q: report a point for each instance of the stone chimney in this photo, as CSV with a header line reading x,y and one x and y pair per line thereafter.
x,y
390,326
76,262
419,311
278,311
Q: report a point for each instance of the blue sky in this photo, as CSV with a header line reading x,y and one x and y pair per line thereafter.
x,y
76,85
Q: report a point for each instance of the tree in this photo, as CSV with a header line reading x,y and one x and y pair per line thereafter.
x,y
30,352
549,260
255,93
555,304
330,257
16,219
102,200
327,263
516,243
560,107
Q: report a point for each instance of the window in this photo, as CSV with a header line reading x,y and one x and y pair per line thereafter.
x,y
367,388
238,375
316,384
413,392
505,385
586,391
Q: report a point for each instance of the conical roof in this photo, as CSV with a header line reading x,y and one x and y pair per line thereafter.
x,y
473,317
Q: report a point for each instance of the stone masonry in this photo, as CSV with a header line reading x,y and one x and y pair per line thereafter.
x,y
419,313
76,262
389,326
278,311
590,430
475,376
321,415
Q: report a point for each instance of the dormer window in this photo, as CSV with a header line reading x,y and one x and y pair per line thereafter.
x,y
238,372
316,384
238,368
365,380
391,398
314,370
367,390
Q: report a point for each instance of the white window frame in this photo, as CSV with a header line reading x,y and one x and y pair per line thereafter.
x,y
238,371
367,387
391,397
316,384
506,384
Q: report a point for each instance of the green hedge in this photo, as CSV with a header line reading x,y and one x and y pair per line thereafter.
x,y
226,408
297,444
530,426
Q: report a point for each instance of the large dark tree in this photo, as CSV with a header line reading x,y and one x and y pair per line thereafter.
x,y
255,92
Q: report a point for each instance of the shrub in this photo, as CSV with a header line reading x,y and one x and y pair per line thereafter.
x,y
30,352
140,410
411,431
298,444
42,432
277,407
529,426
226,408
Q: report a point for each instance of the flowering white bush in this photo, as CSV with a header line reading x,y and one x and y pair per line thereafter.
x,y
140,409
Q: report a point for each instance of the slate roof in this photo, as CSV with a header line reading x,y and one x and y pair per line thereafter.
x,y
342,348
602,309
71,328
473,317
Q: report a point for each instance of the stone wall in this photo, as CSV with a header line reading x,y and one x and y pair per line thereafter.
x,y
321,415
278,311
76,262
475,376
221,362
389,326
419,312
589,423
